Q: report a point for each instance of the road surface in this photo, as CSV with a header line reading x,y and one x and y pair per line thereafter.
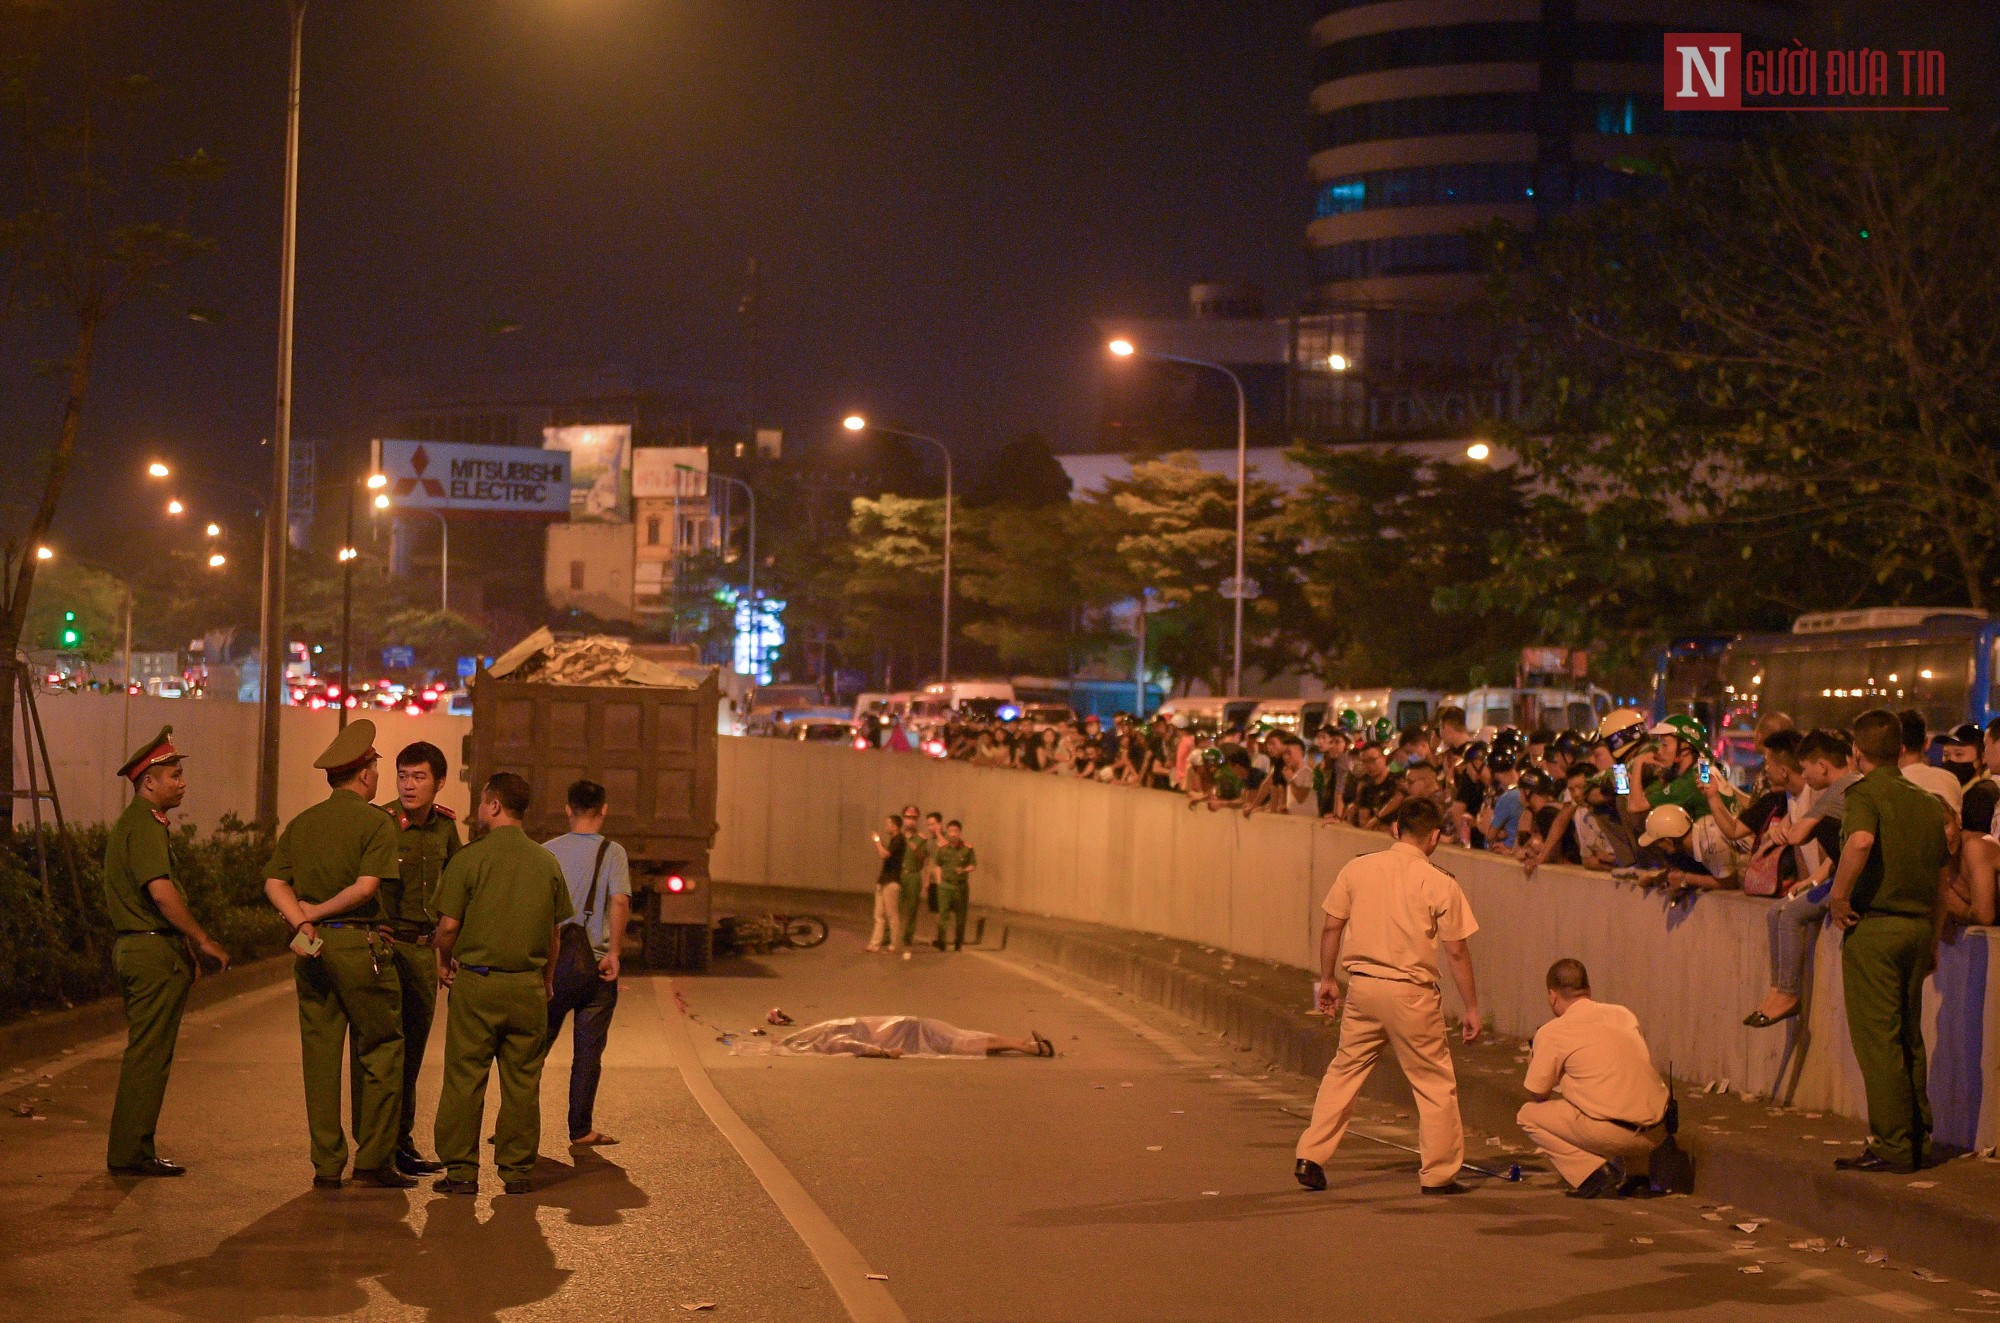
x,y
1143,1175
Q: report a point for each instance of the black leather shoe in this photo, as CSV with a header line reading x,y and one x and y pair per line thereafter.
x,y
447,1185
523,1186
1309,1174
384,1178
329,1182
152,1167
410,1164
1602,1182
1869,1160
1449,1187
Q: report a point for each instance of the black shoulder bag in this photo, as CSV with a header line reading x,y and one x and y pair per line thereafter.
x,y
576,962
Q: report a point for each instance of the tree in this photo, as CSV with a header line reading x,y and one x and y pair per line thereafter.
x,y
1783,355
1023,472
894,564
386,610
1171,526
81,597
1392,542
94,220
1034,581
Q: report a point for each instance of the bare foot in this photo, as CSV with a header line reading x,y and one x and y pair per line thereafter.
x,y
595,1139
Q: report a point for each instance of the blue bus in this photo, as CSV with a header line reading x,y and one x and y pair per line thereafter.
x,y
1833,666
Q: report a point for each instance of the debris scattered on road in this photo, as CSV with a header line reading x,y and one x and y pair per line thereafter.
x,y
1923,1185
777,1016
1642,1240
1926,1275
1154,1148
1748,1228
1812,1245
1752,1268
1744,1245
1178,1111
699,1306
24,1109
878,1276
1876,1257
1125,1084
1711,1217
1211,1192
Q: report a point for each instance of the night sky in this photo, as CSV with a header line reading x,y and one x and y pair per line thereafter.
x,y
942,194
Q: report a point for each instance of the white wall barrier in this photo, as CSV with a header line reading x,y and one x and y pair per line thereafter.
x,y
799,815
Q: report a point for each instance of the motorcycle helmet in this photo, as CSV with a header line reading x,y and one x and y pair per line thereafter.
x,y
1622,730
1535,781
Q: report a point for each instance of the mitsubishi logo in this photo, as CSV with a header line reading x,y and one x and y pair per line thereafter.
x,y
420,460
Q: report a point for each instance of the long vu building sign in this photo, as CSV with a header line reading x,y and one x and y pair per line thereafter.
x,y
442,475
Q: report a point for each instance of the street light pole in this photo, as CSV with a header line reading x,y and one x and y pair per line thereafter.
x,y
444,553
856,423
277,529
346,602
1126,349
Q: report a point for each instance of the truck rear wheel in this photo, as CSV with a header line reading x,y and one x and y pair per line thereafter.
x,y
677,946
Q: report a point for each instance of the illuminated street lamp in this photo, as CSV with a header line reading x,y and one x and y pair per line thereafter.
x,y
214,530
854,422
1478,452
158,470
174,507
1238,587
217,560
1338,362
43,553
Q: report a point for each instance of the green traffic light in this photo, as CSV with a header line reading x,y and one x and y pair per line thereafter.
x,y
69,617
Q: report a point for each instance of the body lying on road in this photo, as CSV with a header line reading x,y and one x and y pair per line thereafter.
x,y
908,1036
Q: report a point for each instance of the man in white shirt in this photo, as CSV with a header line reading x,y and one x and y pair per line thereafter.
x,y
1916,742
600,889
1390,910
1614,1103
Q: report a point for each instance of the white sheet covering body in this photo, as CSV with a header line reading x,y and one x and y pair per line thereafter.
x,y
876,1035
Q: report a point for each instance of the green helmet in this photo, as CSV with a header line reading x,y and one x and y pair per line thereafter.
x,y
1683,727
1382,730
1350,720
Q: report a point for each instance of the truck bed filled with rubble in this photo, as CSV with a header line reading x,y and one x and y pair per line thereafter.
x,y
542,658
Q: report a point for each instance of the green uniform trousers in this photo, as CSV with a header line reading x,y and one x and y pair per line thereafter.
x,y
416,973
504,1016
350,987
954,899
912,903
1883,962
154,974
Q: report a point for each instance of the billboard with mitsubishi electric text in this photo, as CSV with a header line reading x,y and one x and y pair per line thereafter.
x,y
471,479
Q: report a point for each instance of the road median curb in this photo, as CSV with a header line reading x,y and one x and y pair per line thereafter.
x,y
37,1037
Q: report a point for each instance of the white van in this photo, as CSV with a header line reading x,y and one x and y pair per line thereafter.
x,y
1405,708
980,697
1489,708
1294,716
1211,715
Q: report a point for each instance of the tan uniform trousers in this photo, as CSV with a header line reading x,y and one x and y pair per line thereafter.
x,y
888,916
1410,1018
1576,1144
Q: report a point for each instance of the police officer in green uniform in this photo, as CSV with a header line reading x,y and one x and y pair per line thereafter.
x,y
1885,895
150,915
955,861
326,877
426,839
498,906
918,845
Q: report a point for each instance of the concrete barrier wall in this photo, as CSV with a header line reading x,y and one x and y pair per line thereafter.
x,y
89,735
799,815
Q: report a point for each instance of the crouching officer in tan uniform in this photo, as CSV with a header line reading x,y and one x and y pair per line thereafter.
x,y
143,900
1390,910
326,878
426,839
497,907
1614,1104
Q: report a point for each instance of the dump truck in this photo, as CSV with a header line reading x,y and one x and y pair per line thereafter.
x,y
645,730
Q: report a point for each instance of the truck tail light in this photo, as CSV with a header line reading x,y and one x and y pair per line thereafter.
x,y
677,884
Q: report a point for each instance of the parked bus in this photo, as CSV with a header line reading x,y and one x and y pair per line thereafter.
x,y
1832,666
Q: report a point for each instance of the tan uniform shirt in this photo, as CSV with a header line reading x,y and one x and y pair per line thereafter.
x,y
1398,906
1595,1056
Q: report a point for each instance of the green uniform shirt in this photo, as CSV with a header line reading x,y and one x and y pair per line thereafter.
x,y
509,893
1684,790
136,853
325,848
422,851
1907,821
916,853
954,864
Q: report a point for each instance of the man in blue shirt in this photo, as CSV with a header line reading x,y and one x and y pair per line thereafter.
x,y
1508,803
600,888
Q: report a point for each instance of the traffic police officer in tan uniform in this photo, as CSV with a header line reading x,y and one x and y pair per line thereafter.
x,y
1614,1103
326,877
426,839
143,899
1385,916
497,908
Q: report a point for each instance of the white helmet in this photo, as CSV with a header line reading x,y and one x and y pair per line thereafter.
x,y
1668,822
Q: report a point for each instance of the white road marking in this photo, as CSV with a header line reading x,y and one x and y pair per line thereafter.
x,y
863,1292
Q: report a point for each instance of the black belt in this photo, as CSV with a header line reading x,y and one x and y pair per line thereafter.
x,y
345,923
151,932
1633,1126
407,931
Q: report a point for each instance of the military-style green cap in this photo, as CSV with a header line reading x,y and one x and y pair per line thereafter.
x,y
353,747
154,752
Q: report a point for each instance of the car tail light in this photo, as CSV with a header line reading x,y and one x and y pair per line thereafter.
x,y
414,710
860,741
